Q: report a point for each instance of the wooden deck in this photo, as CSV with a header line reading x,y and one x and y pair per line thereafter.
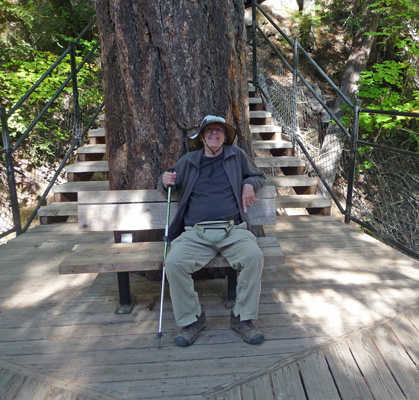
x,y
340,317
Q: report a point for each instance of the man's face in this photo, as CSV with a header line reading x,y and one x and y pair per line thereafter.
x,y
214,136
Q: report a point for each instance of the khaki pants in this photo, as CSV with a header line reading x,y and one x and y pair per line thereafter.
x,y
190,252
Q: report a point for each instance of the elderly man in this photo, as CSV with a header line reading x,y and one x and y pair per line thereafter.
x,y
217,184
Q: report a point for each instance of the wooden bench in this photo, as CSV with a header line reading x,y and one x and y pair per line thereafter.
x,y
127,211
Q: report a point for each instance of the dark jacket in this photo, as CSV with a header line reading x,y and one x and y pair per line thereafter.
x,y
240,170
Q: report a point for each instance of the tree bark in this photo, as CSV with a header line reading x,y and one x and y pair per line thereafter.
x,y
332,146
166,65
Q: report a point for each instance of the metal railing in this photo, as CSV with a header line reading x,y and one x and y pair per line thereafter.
x,y
351,135
9,149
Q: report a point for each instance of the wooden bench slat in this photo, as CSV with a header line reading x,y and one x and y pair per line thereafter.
x,y
143,256
146,196
146,209
145,216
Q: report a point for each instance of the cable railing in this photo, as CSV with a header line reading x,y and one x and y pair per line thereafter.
x,y
79,131
408,196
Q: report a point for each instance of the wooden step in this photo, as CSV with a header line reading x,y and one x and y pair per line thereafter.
x,y
255,100
96,136
260,118
255,103
87,166
57,212
271,144
280,162
291,181
260,114
75,187
102,120
99,132
85,170
265,129
302,201
92,149
91,152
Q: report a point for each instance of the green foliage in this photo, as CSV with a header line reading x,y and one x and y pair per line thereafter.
x,y
42,24
390,84
307,23
40,35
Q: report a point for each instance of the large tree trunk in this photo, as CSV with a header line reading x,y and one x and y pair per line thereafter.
x,y
331,150
166,65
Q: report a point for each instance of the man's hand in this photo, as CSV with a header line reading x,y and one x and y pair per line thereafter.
x,y
248,196
169,179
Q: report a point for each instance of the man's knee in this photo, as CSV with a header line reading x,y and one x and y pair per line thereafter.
x,y
253,255
173,266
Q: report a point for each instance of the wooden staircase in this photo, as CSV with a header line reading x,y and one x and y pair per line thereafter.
x,y
90,173
296,191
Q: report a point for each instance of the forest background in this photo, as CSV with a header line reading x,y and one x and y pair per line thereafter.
x,y
33,33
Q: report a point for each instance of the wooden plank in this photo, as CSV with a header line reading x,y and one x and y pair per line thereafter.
x,y
60,394
271,144
38,382
232,394
32,389
87,166
263,388
247,391
401,365
260,114
291,180
373,368
99,132
265,128
282,162
346,374
317,379
92,148
78,186
144,216
413,317
303,201
147,196
58,209
10,382
408,336
287,383
142,256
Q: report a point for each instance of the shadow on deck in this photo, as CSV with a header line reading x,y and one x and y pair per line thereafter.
x,y
59,334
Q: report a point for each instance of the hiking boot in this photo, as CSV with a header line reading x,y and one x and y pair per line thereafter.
x,y
246,328
189,333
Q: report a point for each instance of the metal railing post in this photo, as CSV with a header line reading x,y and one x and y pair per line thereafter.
x,y
294,86
10,172
77,127
254,44
352,159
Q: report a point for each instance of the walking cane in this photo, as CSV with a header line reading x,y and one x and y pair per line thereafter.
x,y
166,243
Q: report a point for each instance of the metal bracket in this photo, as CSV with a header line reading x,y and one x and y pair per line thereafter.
x,y
125,308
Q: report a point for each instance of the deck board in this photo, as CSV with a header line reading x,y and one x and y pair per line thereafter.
x,y
62,330
317,379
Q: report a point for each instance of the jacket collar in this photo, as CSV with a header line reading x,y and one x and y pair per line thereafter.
x,y
196,156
